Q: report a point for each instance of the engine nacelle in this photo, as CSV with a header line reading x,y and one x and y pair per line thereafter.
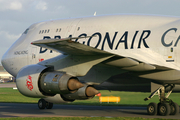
x,y
52,83
27,80
40,81
83,93
57,99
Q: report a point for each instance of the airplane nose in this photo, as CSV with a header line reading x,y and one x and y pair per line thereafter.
x,y
6,63
4,60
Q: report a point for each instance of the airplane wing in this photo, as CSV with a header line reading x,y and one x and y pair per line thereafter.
x,y
67,46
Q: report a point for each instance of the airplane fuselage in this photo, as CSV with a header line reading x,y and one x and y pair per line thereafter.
x,y
131,36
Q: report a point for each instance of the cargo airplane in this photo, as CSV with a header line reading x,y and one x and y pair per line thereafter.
x,y
70,59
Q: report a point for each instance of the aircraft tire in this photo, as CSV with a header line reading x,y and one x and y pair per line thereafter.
x,y
164,109
41,104
174,108
49,105
152,108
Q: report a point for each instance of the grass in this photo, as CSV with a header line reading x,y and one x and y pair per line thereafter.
x,y
9,95
127,98
14,96
84,118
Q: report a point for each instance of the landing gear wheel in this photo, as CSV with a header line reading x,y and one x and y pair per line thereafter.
x,y
174,108
41,104
164,109
49,105
152,108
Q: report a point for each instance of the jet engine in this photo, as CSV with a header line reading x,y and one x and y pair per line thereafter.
x,y
40,81
83,93
51,83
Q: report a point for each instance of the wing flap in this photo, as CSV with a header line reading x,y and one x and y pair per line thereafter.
x,y
123,62
140,67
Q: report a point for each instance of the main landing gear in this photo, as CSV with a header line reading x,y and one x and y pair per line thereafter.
x,y
42,104
165,106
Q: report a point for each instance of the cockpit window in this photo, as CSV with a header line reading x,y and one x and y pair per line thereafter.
x,y
26,31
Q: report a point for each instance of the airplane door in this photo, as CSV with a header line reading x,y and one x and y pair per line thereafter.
x,y
72,27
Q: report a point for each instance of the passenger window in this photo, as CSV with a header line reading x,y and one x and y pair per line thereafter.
x,y
40,32
48,31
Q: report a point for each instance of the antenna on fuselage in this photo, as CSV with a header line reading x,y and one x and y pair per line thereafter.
x,y
95,13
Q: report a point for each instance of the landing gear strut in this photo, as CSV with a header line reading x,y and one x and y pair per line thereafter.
x,y
42,104
165,106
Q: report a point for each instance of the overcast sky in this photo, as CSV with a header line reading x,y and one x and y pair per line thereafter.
x,y
17,15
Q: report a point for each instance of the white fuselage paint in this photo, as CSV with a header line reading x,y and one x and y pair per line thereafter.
x,y
149,39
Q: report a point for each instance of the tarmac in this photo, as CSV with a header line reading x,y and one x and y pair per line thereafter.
x,y
32,110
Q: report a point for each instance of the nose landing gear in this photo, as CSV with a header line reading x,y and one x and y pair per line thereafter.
x,y
165,106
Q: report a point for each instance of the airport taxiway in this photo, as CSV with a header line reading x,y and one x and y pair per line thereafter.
x,y
7,85
31,110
